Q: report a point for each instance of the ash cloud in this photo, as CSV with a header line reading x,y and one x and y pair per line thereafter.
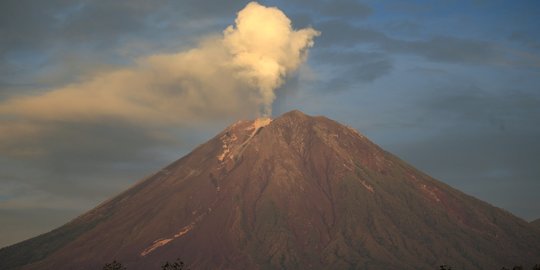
x,y
266,49
231,75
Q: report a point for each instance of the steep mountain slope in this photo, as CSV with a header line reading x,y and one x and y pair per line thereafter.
x,y
536,223
296,192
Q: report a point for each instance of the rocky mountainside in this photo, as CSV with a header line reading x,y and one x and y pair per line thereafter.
x,y
295,192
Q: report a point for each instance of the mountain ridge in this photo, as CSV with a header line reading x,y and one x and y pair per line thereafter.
x,y
292,192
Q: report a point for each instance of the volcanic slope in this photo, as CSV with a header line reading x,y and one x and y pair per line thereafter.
x,y
295,192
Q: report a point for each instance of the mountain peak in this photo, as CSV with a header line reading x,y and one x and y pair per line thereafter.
x,y
293,192
294,114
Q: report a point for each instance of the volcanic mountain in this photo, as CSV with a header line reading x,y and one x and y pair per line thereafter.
x,y
295,192
536,222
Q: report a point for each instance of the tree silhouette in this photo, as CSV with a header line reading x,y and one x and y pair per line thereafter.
x,y
445,267
536,267
114,266
177,265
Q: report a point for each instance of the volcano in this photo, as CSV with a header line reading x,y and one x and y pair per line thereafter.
x,y
536,222
295,192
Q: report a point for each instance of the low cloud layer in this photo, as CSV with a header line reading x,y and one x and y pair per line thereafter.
x,y
230,75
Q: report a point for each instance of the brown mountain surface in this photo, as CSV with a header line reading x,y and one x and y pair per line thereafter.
x,y
296,192
536,223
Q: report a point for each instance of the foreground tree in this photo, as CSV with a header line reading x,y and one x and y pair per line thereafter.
x,y
177,265
114,266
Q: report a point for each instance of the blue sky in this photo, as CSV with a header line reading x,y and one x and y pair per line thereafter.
x,y
451,87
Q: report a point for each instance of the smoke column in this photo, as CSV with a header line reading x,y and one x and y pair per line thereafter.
x,y
233,74
265,48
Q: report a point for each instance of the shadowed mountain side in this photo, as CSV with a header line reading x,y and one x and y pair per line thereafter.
x,y
296,192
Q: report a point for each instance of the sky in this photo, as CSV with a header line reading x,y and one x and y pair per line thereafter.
x,y
95,95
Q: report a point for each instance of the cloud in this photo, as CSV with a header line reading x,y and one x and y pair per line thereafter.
x,y
324,9
436,48
340,33
526,40
226,76
266,49
29,24
346,58
38,37
349,68
163,88
346,9
450,49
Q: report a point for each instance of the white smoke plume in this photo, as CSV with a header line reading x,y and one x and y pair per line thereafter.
x,y
233,74
266,48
